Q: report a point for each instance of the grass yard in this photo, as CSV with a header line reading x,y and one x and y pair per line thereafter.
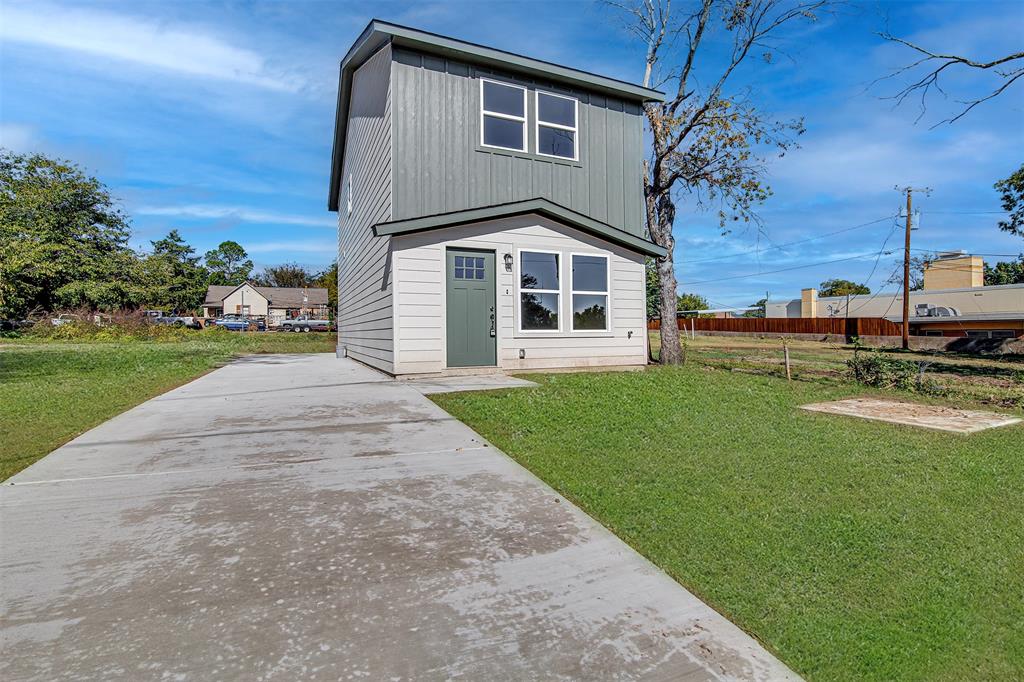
x,y
51,391
854,550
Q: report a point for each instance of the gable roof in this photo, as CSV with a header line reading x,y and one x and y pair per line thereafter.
x,y
277,297
539,206
379,33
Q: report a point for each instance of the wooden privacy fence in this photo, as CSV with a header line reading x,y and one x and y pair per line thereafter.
x,y
837,326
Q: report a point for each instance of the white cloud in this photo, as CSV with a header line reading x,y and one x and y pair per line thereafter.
x,y
324,246
188,50
236,212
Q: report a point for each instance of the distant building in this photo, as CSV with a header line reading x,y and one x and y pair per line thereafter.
x,y
953,302
273,304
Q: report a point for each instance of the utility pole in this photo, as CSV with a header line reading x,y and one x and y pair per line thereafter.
x,y
906,262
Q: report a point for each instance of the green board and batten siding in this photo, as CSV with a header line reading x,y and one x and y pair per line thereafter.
x,y
365,320
440,167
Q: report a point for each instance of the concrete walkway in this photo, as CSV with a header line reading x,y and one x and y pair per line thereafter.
x,y
304,517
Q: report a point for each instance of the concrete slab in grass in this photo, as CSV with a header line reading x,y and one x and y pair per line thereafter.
x,y
914,414
484,382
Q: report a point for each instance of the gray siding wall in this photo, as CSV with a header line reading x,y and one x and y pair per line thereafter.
x,y
365,320
439,165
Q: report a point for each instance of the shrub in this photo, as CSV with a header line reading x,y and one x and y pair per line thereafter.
x,y
873,368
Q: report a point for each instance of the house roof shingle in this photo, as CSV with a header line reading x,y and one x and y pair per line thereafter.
x,y
278,297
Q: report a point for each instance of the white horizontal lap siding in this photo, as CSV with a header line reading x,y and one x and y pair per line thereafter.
x,y
365,316
419,262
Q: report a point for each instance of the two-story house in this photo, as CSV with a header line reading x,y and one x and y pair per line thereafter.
x,y
490,209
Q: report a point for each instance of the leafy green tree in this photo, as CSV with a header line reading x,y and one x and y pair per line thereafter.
x,y
328,279
176,279
63,241
842,287
284,275
760,304
1012,191
1006,272
228,264
653,293
692,302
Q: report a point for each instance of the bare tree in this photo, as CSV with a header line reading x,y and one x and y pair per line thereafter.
x,y
706,138
1008,68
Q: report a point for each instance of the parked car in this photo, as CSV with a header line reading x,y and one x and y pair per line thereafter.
x,y
64,318
241,324
159,317
305,323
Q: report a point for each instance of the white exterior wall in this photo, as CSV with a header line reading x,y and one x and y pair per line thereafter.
x,y
419,283
250,297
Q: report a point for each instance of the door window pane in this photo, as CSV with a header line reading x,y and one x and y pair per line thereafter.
x,y
502,132
538,270
503,99
589,312
539,311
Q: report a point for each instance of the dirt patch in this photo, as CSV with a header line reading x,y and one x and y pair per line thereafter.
x,y
913,414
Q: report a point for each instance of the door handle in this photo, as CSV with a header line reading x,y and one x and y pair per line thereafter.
x,y
493,331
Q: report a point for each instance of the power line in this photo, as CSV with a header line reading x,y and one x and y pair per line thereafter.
x,y
781,246
772,272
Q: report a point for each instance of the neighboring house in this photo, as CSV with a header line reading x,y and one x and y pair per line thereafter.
x,y
272,303
953,302
490,209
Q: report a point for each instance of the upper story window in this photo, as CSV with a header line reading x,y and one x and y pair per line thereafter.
x,y
557,125
503,115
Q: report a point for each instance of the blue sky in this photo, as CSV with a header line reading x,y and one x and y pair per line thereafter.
x,y
216,119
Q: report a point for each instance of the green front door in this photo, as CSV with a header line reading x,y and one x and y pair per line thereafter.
x,y
472,335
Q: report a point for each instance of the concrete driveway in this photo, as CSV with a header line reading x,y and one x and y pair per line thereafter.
x,y
304,517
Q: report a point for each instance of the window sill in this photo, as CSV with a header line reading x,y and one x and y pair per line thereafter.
x,y
497,151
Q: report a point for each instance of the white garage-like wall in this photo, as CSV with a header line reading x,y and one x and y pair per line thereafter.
x,y
418,265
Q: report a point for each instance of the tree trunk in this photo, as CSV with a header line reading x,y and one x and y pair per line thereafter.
x,y
671,350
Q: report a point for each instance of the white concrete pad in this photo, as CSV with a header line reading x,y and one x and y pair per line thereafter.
x,y
915,414
486,382
301,517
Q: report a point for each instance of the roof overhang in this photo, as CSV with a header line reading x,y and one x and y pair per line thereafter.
x,y
541,207
379,33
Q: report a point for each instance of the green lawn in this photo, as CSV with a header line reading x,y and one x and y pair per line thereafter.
x,y
52,391
854,550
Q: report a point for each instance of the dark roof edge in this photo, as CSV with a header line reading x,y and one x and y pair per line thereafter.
x,y
543,207
378,33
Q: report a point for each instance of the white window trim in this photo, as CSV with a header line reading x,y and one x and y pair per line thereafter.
x,y
607,293
575,129
520,290
507,117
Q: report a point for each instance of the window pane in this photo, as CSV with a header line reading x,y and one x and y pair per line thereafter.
x,y
556,142
589,273
538,270
556,110
458,261
539,311
501,132
503,99
479,262
589,312
479,274
458,273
